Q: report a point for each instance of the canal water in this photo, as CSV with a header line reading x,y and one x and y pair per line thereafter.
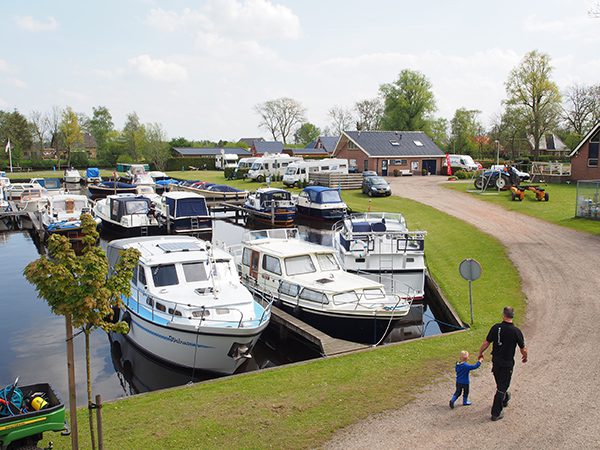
x,y
33,339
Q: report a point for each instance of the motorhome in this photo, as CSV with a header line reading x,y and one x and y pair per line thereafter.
x,y
226,161
270,165
299,171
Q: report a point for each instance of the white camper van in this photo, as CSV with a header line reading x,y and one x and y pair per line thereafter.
x,y
299,171
226,160
464,162
270,165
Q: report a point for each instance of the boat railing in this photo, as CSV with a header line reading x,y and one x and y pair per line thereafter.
x,y
204,314
275,233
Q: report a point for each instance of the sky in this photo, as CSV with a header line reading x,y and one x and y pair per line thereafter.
x,y
199,67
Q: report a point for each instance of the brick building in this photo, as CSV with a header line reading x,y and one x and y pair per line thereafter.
x,y
584,159
386,151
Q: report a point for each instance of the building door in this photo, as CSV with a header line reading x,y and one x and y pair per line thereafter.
x,y
384,167
366,165
430,165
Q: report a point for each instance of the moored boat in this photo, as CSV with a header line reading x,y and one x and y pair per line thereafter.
x,y
381,242
72,176
271,206
101,190
129,215
62,215
185,212
92,175
213,192
29,197
321,203
187,306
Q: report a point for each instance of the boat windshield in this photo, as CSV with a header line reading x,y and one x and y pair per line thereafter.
x,y
164,275
298,265
373,294
330,197
345,297
137,207
327,261
194,271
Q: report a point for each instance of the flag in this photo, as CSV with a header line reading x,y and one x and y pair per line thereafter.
x,y
7,148
448,167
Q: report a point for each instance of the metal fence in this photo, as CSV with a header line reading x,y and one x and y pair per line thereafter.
x,y
588,199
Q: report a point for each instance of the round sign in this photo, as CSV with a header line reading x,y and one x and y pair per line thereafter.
x,y
470,269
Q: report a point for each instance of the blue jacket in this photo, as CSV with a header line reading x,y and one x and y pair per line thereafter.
x,y
463,369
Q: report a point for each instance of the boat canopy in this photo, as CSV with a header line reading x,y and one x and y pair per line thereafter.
x,y
125,206
187,207
321,194
92,172
116,184
274,195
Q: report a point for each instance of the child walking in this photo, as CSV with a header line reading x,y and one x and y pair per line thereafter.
x,y
462,378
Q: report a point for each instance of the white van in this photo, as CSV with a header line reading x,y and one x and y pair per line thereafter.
x,y
270,165
464,162
298,172
225,161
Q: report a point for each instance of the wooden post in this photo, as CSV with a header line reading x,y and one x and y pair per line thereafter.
x,y
272,214
99,421
71,376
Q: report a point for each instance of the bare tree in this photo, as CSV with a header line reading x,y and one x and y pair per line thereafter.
x,y
341,119
280,116
54,119
40,126
581,105
369,112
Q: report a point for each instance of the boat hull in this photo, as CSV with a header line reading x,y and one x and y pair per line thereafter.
x,y
283,217
101,192
205,350
119,230
185,225
320,214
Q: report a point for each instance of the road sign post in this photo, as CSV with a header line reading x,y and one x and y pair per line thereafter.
x,y
470,270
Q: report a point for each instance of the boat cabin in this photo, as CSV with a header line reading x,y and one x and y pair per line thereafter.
x,y
128,204
321,203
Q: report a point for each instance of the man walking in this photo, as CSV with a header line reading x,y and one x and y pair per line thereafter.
x,y
505,337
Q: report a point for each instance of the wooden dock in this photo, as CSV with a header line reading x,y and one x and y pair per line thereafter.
x,y
327,345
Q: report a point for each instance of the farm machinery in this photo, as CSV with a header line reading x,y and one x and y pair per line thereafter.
x,y
509,178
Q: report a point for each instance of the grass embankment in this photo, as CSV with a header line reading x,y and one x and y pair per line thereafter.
x,y
49,174
560,209
301,406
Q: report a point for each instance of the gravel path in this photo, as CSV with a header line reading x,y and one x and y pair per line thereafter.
x,y
556,395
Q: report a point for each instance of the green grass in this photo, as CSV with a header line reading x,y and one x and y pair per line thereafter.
x,y
301,406
560,209
49,174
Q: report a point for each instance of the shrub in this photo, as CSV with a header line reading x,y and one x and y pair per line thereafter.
x,y
462,174
79,160
228,172
241,174
396,173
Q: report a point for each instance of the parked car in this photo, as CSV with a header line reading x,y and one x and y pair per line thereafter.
x,y
461,162
500,179
369,173
376,186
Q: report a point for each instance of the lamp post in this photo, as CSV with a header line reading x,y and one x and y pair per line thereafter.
x,y
497,151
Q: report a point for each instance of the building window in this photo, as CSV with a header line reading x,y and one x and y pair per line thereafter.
x,y
351,146
399,162
593,152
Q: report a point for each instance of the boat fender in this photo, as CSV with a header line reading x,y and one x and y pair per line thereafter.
x,y
116,313
297,311
127,319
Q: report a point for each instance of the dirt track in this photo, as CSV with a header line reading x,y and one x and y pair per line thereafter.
x,y
556,395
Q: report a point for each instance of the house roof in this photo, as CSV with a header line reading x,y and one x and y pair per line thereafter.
x,y
268,147
209,151
394,143
308,151
250,141
327,142
586,138
550,142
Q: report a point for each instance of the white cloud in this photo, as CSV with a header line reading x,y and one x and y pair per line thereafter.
x,y
32,24
3,103
5,67
262,19
157,69
582,28
16,82
73,95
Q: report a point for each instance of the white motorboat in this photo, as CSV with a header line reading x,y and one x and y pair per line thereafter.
x,y
271,206
187,306
185,212
4,205
138,176
72,175
63,213
381,242
29,197
321,203
309,280
129,214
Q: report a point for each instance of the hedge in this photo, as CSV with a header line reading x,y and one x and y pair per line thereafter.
x,y
185,163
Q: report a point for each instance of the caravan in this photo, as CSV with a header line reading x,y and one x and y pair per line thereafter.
x,y
269,165
299,171
226,161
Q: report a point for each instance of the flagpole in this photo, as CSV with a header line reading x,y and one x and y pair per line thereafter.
x,y
10,156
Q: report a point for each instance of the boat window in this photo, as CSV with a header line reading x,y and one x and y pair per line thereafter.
x,y
330,197
281,195
134,275
271,264
195,271
115,208
174,312
246,257
201,313
313,296
373,294
142,276
165,275
345,297
289,288
297,265
327,261
303,194
160,307
137,207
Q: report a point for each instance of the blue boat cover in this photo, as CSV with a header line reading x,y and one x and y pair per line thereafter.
x,y
321,194
187,207
166,182
92,172
117,184
222,188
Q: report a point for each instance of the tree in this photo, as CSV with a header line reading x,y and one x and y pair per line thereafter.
x,y
40,126
79,287
14,126
70,131
341,120
101,126
156,147
530,89
408,102
465,128
369,114
133,135
510,131
306,133
582,107
280,116
180,142
438,130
